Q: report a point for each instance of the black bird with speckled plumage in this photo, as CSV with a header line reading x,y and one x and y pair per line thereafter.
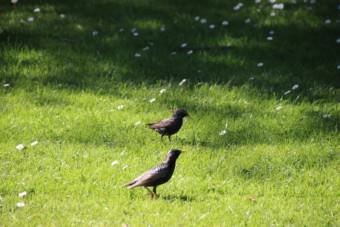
x,y
158,175
171,125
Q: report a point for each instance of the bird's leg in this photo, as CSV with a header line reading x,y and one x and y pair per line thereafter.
x,y
154,191
169,137
151,193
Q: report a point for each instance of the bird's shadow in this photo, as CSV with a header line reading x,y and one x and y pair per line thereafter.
x,y
183,198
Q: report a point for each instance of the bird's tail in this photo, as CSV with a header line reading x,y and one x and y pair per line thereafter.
x,y
150,125
130,184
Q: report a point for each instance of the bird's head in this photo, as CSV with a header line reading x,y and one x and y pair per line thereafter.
x,y
180,113
173,154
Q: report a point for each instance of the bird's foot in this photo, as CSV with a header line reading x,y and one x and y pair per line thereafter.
x,y
154,196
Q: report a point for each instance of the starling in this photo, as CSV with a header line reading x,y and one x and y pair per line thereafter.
x,y
171,125
158,175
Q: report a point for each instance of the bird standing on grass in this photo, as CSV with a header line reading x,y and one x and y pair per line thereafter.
x,y
170,126
158,175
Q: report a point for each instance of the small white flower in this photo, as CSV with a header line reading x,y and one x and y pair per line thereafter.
x,y
36,10
20,147
287,92
14,1
225,23
203,21
269,38
251,78
95,33
34,143
223,132
295,86
137,55
62,16
20,204
162,91
79,26
6,85
173,53
184,45
190,52
271,32
338,67
152,100
247,21
162,29
197,18
279,6
22,194
312,1
338,40
272,14
146,48
238,6
120,107
135,34
138,123
271,1
279,107
260,64
328,21
257,1
133,30
182,82
125,166
115,162
212,26
30,19
326,116
121,29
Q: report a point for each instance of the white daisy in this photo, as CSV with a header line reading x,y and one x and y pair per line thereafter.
x,y
20,147
223,132
22,194
295,86
120,107
225,23
20,204
115,162
152,100
182,82
260,64
34,143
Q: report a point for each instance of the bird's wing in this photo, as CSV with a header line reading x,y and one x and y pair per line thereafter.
x,y
149,177
163,124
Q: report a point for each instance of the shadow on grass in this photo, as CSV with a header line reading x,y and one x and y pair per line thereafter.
x,y
222,55
63,54
172,198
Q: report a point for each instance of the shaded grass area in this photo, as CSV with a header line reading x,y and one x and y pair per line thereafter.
x,y
276,161
68,51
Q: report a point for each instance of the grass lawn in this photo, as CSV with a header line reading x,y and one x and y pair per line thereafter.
x,y
82,78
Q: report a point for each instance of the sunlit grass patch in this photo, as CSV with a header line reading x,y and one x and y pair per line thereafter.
x,y
80,81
